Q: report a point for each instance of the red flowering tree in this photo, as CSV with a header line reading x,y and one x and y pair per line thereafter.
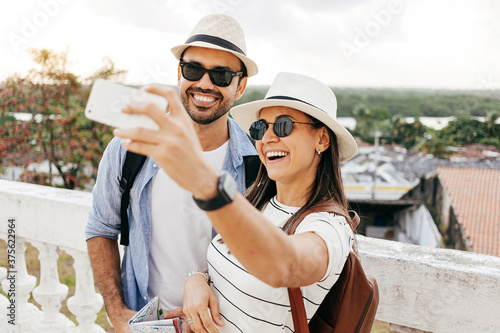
x,y
54,130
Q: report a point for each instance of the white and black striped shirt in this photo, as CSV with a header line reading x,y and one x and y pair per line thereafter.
x,y
249,305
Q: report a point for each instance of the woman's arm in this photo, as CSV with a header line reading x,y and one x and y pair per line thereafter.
x,y
263,249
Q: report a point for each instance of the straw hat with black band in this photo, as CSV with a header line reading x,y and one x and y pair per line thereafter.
x,y
305,94
219,32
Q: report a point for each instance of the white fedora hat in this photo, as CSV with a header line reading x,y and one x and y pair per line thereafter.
x,y
305,94
220,32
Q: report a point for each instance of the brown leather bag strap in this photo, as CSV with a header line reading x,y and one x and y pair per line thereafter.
x,y
298,309
299,315
330,208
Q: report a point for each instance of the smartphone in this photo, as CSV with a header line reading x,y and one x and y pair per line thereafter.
x,y
107,99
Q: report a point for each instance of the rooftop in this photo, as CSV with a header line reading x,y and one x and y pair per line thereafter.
x,y
475,196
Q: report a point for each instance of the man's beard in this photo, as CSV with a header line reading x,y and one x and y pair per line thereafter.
x,y
207,117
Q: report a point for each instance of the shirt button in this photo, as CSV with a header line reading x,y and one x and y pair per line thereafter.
x,y
154,165
145,298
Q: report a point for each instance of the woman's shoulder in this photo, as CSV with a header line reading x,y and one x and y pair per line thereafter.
x,y
326,216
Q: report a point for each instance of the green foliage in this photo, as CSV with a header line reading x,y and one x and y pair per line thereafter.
x,y
371,122
6,118
438,145
58,131
415,103
460,132
490,142
464,131
409,135
491,128
406,103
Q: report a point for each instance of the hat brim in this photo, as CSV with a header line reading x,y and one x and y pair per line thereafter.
x,y
246,114
249,63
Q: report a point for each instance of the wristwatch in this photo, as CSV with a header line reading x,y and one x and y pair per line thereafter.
x,y
226,190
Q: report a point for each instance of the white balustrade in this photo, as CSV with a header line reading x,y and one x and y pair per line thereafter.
x,y
86,303
421,289
50,293
4,303
49,218
27,314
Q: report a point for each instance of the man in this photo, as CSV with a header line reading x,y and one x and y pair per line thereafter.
x,y
169,234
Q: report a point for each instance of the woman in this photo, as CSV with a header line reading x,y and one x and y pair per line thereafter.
x,y
252,261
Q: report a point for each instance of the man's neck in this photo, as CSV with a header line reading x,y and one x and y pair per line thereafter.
x,y
213,135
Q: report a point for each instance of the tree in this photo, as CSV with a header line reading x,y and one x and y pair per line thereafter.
x,y
57,131
491,128
409,134
437,145
371,123
464,131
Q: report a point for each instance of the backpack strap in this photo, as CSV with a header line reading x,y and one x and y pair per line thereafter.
x,y
330,208
297,307
133,163
252,166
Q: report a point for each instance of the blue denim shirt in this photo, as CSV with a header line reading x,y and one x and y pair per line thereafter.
x,y
104,214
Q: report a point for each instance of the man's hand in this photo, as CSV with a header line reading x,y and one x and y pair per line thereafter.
x,y
120,321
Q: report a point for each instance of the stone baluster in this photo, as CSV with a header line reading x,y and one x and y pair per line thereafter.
x,y
86,303
50,293
27,314
4,303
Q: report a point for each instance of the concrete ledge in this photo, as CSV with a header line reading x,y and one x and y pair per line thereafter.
x,y
436,290
46,214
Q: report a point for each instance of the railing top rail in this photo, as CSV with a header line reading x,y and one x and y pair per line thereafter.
x,y
46,214
438,258
435,290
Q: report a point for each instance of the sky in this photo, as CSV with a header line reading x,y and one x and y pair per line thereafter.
x,y
436,44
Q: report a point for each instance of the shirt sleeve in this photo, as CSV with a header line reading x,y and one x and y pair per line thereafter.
x,y
104,214
337,235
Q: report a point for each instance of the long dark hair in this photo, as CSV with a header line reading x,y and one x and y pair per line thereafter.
x,y
327,186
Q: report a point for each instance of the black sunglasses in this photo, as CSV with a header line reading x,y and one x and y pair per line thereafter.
x,y
219,77
282,127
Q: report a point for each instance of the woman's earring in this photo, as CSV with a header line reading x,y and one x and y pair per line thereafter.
x,y
319,152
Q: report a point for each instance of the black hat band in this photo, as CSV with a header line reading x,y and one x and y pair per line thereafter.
x,y
216,41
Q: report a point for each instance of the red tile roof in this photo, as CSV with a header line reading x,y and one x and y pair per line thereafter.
x,y
475,196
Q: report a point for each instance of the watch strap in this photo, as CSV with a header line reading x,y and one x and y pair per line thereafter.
x,y
221,198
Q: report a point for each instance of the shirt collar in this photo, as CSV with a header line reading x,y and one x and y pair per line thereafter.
x,y
239,144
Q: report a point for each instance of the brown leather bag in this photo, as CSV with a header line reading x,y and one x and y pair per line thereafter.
x,y
351,303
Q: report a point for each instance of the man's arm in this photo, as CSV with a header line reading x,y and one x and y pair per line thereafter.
x,y
105,260
102,231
